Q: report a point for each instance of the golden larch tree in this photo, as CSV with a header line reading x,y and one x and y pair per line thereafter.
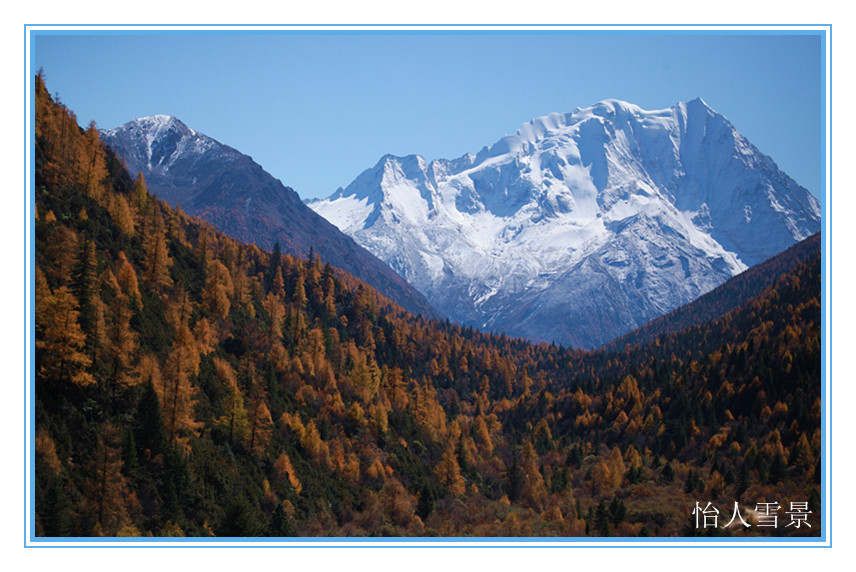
x,y
60,355
449,471
176,391
157,260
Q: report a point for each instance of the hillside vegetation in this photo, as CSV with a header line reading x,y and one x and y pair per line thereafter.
x,y
190,385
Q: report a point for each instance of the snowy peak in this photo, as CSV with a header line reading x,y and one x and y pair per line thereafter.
x,y
156,126
698,104
402,186
158,141
392,170
152,127
697,109
582,225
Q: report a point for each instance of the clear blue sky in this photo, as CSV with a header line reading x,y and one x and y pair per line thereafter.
x,y
316,109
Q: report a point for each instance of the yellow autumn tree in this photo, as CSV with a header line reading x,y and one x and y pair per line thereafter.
x,y
60,355
617,468
234,417
276,312
120,211
534,490
218,289
600,478
176,391
428,411
157,260
258,417
92,170
283,470
141,193
123,341
127,279
449,472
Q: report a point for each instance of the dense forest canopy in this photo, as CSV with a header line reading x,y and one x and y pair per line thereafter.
x,y
190,385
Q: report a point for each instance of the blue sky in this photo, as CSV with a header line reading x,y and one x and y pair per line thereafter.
x,y
316,109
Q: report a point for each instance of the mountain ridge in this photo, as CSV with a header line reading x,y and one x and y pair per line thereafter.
x,y
219,184
580,226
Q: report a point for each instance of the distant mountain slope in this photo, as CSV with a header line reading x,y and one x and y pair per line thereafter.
x,y
723,299
582,226
227,188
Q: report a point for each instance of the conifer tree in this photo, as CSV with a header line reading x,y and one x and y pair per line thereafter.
x,y
141,194
127,280
123,342
274,267
534,491
83,284
602,518
280,524
93,169
258,415
449,472
60,355
177,391
234,418
150,434
158,260
121,213
106,489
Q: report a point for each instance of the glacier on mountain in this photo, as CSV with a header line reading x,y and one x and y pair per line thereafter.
x,y
582,225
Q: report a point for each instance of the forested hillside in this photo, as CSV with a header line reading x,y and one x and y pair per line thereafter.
x,y
190,385
724,298
231,191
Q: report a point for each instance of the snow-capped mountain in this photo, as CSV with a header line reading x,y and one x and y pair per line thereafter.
x,y
225,187
581,226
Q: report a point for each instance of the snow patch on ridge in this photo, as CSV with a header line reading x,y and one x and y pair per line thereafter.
x,y
164,139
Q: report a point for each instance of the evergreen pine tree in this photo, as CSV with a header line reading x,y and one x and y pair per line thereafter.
x,y
602,518
240,519
150,433
280,523
514,479
617,511
668,473
426,500
273,267
778,468
82,285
